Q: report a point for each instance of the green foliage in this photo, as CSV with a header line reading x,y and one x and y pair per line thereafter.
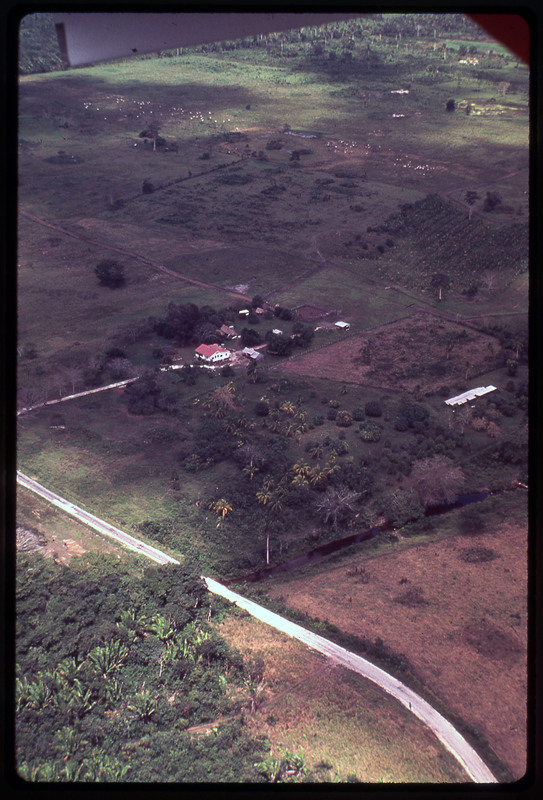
x,y
401,506
370,431
373,408
38,45
157,668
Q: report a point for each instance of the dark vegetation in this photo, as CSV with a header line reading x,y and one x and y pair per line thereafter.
x,y
39,51
112,671
437,235
110,273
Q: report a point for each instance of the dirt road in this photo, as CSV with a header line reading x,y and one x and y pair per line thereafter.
x,y
160,267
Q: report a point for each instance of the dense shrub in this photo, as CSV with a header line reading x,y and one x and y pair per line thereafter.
x,y
110,273
344,419
262,409
373,408
370,431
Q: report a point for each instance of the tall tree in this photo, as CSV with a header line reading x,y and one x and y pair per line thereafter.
x,y
436,480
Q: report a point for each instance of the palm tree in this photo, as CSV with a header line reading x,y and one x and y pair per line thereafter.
x,y
265,494
250,470
317,451
289,408
221,507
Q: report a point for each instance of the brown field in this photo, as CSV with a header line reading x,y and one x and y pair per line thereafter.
x,y
462,625
333,715
403,354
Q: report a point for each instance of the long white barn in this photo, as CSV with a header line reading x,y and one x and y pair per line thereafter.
x,y
460,399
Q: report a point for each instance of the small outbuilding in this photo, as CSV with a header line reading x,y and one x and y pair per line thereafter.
x,y
228,332
254,355
471,394
342,326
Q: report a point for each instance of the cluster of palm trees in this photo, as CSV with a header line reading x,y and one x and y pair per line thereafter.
x,y
289,419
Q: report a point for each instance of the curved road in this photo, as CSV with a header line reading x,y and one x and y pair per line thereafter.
x,y
454,742
442,728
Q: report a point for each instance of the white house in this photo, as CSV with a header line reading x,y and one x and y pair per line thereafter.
x,y
244,312
460,399
211,353
342,326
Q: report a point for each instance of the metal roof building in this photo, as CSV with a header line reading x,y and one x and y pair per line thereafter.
x,y
471,394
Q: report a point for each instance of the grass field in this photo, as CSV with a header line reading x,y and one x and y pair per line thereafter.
x,y
336,717
466,641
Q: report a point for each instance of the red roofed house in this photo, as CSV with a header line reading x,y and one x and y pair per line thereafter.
x,y
211,353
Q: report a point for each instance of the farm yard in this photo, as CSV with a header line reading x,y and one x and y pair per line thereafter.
x,y
373,172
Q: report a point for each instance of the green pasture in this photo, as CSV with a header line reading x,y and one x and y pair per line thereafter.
x,y
253,270
363,304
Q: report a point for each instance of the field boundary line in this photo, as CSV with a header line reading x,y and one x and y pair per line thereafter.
x,y
160,267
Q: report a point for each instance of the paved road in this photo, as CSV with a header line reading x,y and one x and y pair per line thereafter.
x,y
455,743
94,522
442,728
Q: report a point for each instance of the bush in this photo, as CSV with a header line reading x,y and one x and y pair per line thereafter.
x,y
478,555
373,409
332,413
110,273
318,419
344,419
370,431
358,414
262,409
400,424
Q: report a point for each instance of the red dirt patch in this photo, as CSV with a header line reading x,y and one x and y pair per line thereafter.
x,y
423,350
309,313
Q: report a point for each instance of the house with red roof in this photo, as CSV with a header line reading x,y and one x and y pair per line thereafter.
x,y
211,353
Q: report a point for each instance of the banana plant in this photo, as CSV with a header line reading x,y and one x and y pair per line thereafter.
x,y
114,692
109,657
40,695
164,628
22,695
143,704
67,741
